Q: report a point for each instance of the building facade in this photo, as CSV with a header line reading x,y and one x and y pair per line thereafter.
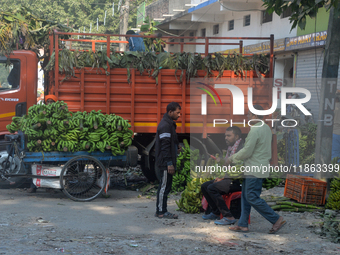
x,y
298,53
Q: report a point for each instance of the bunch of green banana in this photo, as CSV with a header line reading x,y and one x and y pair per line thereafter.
x,y
67,145
50,133
127,139
178,182
101,145
275,178
79,119
185,162
333,201
58,107
37,109
15,125
269,183
191,197
12,128
95,119
34,134
52,127
234,172
48,145
121,124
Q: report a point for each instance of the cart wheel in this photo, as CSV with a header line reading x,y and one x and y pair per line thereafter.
x,y
83,178
15,167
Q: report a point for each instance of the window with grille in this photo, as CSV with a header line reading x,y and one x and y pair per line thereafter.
x,y
172,40
216,29
191,34
286,13
231,25
203,32
266,17
246,20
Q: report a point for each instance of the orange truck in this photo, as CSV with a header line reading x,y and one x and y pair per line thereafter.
x,y
141,102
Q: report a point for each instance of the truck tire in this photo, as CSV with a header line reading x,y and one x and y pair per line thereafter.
x,y
149,173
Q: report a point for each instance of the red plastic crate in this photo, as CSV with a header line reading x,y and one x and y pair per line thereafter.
x,y
305,190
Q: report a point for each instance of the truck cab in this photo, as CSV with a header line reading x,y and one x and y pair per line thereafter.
x,y
18,86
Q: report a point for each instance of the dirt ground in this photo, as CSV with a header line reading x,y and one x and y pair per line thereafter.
x,y
124,223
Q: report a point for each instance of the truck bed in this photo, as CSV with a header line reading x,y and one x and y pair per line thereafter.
x,y
143,102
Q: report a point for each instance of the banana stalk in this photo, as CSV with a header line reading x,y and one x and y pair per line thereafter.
x,y
298,205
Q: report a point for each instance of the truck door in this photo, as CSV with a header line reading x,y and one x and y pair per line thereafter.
x,y
13,96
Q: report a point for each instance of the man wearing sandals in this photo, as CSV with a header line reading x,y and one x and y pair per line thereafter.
x,y
166,147
256,152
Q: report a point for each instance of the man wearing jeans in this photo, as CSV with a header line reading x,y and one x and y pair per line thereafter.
x,y
255,153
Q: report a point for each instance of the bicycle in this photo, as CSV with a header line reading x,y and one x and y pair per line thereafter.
x,y
12,164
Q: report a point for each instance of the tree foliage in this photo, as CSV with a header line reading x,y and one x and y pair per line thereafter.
x,y
79,13
301,9
20,29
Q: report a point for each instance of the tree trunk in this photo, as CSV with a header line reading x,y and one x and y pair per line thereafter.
x,y
124,17
323,148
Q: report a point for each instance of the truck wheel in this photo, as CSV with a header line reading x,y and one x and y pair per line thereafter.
x,y
149,173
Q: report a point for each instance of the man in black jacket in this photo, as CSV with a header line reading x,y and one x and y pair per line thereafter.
x,y
166,147
213,190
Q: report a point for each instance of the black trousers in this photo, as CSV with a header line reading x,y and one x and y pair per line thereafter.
x,y
163,191
213,194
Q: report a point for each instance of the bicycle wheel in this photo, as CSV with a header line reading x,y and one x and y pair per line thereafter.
x,y
83,178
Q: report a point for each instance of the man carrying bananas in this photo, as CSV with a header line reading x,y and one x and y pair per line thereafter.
x,y
213,190
166,148
255,154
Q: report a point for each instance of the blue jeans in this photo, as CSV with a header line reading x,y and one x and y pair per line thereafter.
x,y
335,146
251,191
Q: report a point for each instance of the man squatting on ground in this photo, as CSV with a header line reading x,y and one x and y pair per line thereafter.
x,y
166,147
256,152
213,190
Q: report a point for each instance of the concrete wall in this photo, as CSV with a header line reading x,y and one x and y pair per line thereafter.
x,y
255,29
157,9
178,4
197,1
322,19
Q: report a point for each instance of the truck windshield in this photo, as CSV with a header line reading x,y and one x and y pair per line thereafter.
x,y
9,75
